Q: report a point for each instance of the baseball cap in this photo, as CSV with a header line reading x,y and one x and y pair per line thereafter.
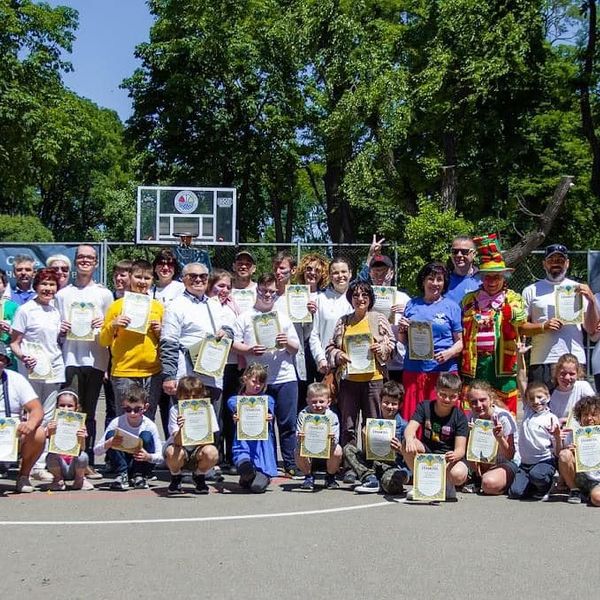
x,y
245,253
556,249
381,259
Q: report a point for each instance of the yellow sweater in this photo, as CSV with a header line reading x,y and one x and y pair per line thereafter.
x,y
133,354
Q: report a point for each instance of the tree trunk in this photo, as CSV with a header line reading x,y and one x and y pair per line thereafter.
x,y
339,215
449,178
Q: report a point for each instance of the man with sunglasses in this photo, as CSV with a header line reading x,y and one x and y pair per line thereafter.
x,y
463,273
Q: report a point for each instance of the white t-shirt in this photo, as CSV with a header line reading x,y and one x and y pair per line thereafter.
x,y
20,393
596,351
535,441
81,353
167,294
561,403
227,316
548,347
174,428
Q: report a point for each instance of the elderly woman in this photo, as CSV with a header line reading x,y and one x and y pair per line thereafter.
x,y
492,316
61,265
443,316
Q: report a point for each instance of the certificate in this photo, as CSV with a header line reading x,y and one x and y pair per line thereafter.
x,y
245,299
296,299
252,418
129,443
429,477
384,299
43,365
358,348
378,435
65,441
2,300
81,315
482,446
9,439
420,340
568,304
316,442
212,356
587,448
137,308
266,329
197,429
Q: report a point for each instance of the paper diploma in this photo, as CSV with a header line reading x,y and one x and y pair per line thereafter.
x,y
81,315
212,356
137,308
358,348
65,441
420,340
429,477
568,304
130,443
245,299
266,328
296,298
587,448
316,442
482,446
43,365
197,429
252,418
384,299
378,435
9,439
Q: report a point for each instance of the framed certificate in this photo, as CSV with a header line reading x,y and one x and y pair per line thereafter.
x,y
378,435
568,304
358,348
81,315
429,477
587,448
482,446
245,299
129,443
9,439
212,356
43,366
65,441
198,428
252,418
420,340
384,299
316,441
296,299
137,308
266,329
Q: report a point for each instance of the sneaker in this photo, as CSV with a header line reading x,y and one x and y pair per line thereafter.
x,y
470,488
24,485
369,486
175,485
574,496
3,471
349,477
410,495
58,486
140,483
293,473
200,483
42,475
91,473
83,484
542,497
308,484
120,483
215,475
331,483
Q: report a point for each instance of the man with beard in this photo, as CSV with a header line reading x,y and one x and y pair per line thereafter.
x,y
551,337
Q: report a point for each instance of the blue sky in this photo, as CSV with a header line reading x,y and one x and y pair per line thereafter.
x,y
102,57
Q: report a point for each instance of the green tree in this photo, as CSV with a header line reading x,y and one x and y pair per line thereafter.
x,y
23,229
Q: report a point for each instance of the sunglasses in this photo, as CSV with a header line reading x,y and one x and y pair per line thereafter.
x,y
61,269
200,276
461,251
136,410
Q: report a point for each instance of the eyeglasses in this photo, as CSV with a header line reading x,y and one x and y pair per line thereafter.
x,y
60,269
136,410
200,276
266,292
461,251
165,263
360,295
85,257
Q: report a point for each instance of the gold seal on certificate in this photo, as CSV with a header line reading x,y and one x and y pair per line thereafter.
x,y
9,439
378,435
429,477
420,340
197,429
266,329
482,446
296,298
212,356
137,308
384,299
587,448
316,441
568,305
252,418
65,441
81,315
245,299
358,348
129,443
43,365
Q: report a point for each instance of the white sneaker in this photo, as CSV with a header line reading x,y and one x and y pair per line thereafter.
x,y
83,484
24,485
410,495
42,475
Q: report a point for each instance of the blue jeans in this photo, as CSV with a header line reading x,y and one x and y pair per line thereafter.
x,y
533,479
286,412
123,462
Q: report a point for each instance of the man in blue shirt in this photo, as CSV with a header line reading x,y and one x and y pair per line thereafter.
x,y
463,278
23,271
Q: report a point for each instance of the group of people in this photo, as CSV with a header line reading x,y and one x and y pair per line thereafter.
x,y
473,367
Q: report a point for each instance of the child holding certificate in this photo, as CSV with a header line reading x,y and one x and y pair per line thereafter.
x,y
254,458
444,431
539,442
570,387
65,467
199,458
132,461
317,403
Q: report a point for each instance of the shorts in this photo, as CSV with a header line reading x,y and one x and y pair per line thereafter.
x,y
191,456
585,483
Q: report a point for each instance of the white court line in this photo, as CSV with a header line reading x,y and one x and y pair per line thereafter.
x,y
203,519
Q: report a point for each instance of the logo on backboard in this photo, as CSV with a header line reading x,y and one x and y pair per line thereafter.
x,y
185,202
